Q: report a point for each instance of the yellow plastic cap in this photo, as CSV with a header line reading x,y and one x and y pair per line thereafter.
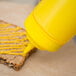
x,y
38,37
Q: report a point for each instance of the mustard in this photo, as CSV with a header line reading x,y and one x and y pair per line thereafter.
x,y
22,48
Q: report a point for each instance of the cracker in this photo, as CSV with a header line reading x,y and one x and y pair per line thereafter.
x,y
15,61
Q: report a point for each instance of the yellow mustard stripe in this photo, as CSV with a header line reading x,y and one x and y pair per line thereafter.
x,y
15,54
10,29
10,32
10,50
10,42
4,25
13,35
11,38
14,46
13,41
17,34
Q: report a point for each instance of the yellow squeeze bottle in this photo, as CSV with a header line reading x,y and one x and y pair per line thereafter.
x,y
51,24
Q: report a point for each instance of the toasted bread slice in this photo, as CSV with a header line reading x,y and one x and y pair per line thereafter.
x,y
11,60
